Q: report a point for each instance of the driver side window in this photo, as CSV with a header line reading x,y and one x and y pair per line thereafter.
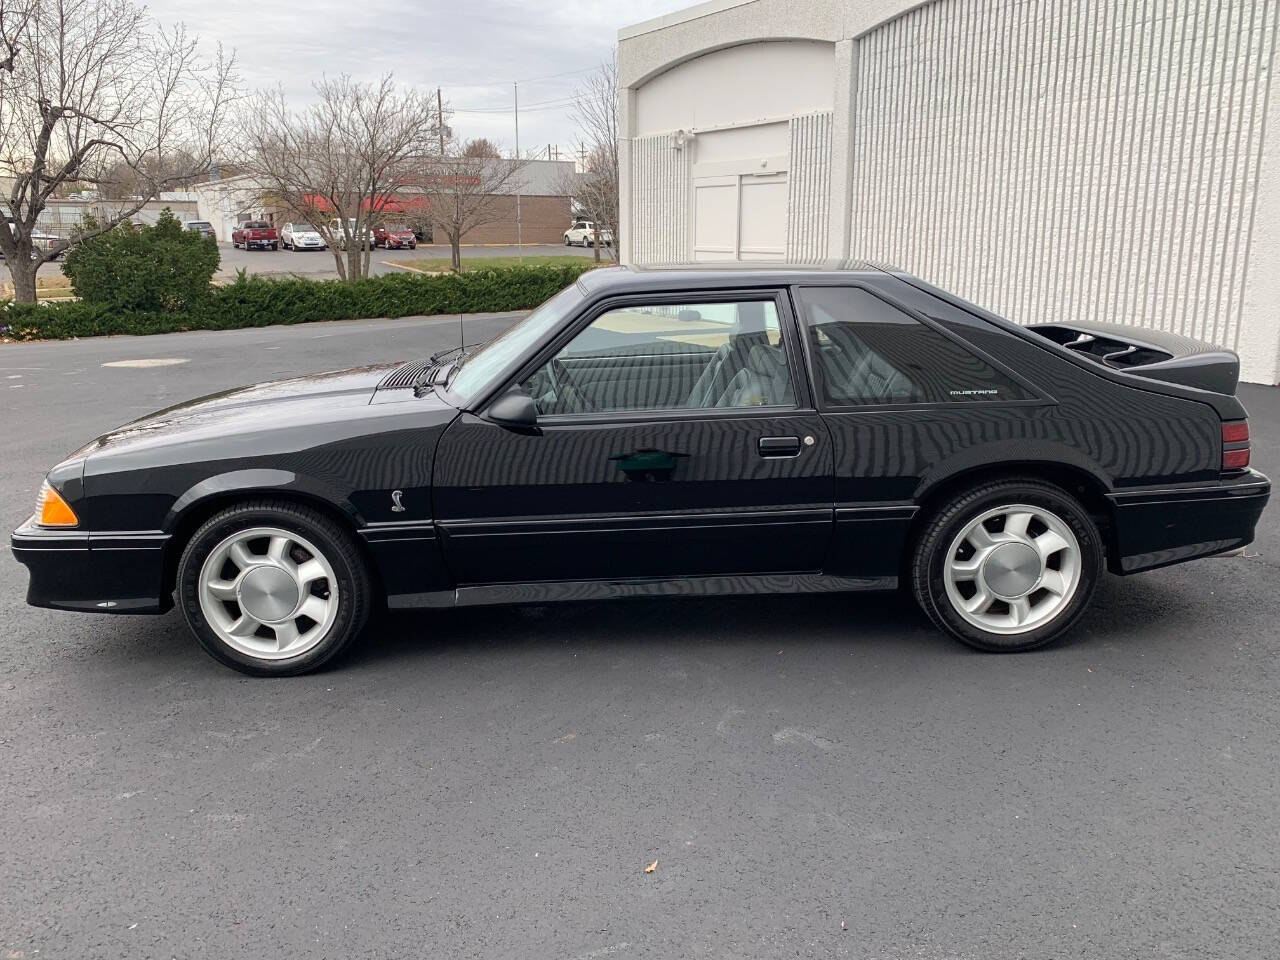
x,y
675,356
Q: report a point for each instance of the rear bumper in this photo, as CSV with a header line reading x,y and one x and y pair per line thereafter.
x,y
93,572
1157,527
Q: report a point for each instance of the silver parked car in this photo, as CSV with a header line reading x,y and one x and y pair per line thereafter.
x,y
301,236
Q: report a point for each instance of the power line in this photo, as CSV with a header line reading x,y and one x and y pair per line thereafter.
x,y
541,105
549,76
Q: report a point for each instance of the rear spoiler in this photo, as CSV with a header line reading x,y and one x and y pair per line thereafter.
x,y
1153,354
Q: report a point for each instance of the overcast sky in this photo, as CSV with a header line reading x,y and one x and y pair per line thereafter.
x,y
473,49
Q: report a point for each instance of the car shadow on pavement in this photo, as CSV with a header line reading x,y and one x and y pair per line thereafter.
x,y
1136,610
1140,609
635,623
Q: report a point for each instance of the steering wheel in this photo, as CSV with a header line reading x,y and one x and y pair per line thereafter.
x,y
566,390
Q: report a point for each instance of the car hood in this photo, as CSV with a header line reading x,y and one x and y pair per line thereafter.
x,y
338,395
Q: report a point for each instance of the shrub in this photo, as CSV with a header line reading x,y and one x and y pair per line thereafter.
x,y
151,268
255,301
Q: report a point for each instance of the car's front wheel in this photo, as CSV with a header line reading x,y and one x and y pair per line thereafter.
x,y
272,588
1009,566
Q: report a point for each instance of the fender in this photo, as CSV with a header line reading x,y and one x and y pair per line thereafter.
x,y
258,481
1038,453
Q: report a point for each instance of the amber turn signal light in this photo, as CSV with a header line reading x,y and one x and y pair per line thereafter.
x,y
52,510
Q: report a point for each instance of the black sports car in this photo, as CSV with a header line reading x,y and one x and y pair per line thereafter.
x,y
663,432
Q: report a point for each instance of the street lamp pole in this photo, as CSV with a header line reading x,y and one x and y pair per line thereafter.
x,y
515,89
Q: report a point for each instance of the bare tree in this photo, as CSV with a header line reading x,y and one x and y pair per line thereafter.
x,y
339,163
88,85
481,147
595,187
467,191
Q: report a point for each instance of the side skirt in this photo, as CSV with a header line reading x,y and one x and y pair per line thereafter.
x,y
570,590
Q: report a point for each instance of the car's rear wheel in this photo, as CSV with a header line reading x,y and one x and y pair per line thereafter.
x,y
1009,566
272,588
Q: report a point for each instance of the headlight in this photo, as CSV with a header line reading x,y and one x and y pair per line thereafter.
x,y
52,510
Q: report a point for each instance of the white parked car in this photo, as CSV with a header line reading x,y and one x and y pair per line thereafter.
x,y
40,240
583,234
363,236
301,236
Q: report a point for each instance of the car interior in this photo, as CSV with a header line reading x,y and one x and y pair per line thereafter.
x,y
697,356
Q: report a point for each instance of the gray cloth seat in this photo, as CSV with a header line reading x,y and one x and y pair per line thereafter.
x,y
763,381
750,330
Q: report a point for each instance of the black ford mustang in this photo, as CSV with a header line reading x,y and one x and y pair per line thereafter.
x,y
665,432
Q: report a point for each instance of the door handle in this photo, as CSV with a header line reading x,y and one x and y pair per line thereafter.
x,y
779,446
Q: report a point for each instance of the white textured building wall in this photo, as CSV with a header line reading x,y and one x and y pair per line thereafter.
x,y
1063,160
660,192
1116,160
809,187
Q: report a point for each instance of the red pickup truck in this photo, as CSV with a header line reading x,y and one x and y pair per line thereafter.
x,y
256,233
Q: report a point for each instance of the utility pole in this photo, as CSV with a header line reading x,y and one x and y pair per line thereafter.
x,y
515,89
440,118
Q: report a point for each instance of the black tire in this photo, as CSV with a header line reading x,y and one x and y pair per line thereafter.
x,y
946,522
338,548
566,240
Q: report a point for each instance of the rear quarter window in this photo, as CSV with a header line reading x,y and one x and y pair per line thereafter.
x,y
866,351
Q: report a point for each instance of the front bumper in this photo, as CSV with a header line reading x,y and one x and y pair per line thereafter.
x,y
1157,527
94,572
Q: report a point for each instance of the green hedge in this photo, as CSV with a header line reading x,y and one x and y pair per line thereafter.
x,y
158,268
253,301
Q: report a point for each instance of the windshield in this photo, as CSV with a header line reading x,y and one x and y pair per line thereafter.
x,y
496,356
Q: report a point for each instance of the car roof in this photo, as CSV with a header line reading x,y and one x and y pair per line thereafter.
x,y
728,274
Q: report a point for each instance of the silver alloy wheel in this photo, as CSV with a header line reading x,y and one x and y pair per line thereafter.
x,y
268,593
1012,569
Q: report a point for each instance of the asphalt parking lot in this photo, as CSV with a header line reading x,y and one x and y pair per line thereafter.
x,y
816,777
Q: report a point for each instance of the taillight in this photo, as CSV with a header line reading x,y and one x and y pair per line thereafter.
x,y
1235,445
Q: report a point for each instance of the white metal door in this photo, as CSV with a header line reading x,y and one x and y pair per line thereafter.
x,y
762,217
740,217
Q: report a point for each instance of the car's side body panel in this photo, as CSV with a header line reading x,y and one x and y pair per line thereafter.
x,y
890,458
688,496
454,508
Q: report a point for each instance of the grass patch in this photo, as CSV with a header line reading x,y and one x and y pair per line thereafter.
x,y
55,286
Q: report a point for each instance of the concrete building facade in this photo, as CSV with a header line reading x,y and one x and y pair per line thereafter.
x,y
1047,159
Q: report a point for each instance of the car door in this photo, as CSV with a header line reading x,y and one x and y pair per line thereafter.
x,y
675,437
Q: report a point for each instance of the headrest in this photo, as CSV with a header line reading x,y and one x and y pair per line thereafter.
x,y
751,317
765,360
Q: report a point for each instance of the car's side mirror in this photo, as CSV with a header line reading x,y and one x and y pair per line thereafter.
x,y
515,408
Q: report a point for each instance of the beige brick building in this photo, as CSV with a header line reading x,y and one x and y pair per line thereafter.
x,y
544,207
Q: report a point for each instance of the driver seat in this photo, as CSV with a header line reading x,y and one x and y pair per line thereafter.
x,y
731,357
763,382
